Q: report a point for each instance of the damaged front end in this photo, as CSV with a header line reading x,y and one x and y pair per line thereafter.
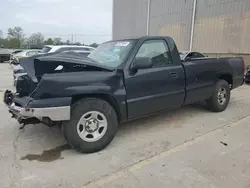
x,y
28,110
17,102
18,112
44,94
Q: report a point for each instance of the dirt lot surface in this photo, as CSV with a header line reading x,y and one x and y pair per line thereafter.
x,y
189,147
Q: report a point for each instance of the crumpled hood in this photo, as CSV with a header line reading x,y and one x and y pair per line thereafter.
x,y
37,66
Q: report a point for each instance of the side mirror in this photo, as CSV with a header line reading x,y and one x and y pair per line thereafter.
x,y
142,63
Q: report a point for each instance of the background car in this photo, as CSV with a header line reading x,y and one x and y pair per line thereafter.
x,y
19,71
80,52
17,51
25,53
7,54
61,48
186,55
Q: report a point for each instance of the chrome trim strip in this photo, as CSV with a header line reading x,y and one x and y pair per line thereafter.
x,y
54,113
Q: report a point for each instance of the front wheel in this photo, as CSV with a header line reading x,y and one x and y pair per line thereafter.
x,y
220,98
92,126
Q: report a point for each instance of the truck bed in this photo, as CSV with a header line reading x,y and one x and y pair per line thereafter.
x,y
202,73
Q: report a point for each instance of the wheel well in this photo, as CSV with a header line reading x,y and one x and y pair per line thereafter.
x,y
228,78
108,98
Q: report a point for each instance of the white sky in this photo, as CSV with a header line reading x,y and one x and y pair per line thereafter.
x,y
60,18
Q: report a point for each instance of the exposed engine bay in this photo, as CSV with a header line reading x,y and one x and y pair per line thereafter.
x,y
45,89
38,66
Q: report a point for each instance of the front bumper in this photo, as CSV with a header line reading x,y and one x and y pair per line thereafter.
x,y
26,108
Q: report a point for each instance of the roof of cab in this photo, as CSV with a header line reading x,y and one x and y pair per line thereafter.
x,y
142,37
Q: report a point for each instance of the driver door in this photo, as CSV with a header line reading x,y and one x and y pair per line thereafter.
x,y
157,88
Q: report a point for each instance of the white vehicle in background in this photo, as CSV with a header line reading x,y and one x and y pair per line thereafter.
x,y
61,48
81,50
18,70
14,59
187,55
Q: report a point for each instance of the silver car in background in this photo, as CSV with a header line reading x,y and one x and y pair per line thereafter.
x,y
14,59
19,71
187,55
62,48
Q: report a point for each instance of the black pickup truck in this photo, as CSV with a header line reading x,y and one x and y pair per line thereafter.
x,y
119,81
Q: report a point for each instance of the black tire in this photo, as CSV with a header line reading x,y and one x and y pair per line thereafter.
x,y
213,102
77,110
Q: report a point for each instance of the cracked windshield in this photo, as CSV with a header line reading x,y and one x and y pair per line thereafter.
x,y
125,93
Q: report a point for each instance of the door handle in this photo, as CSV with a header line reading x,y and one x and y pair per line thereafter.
x,y
173,74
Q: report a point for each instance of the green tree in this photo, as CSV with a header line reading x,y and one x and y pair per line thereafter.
x,y
67,42
94,45
4,43
57,41
35,41
78,44
49,41
15,43
16,37
1,34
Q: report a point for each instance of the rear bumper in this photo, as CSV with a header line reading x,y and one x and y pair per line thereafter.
x,y
24,108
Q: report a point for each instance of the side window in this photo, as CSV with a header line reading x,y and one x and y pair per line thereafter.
x,y
198,55
28,53
157,50
191,55
31,53
36,52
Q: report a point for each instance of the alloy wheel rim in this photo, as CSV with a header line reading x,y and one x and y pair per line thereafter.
x,y
222,96
92,126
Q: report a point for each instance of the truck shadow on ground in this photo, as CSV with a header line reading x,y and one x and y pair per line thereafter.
x,y
169,116
53,137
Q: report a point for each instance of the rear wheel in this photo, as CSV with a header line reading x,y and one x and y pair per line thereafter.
x,y
92,126
220,98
